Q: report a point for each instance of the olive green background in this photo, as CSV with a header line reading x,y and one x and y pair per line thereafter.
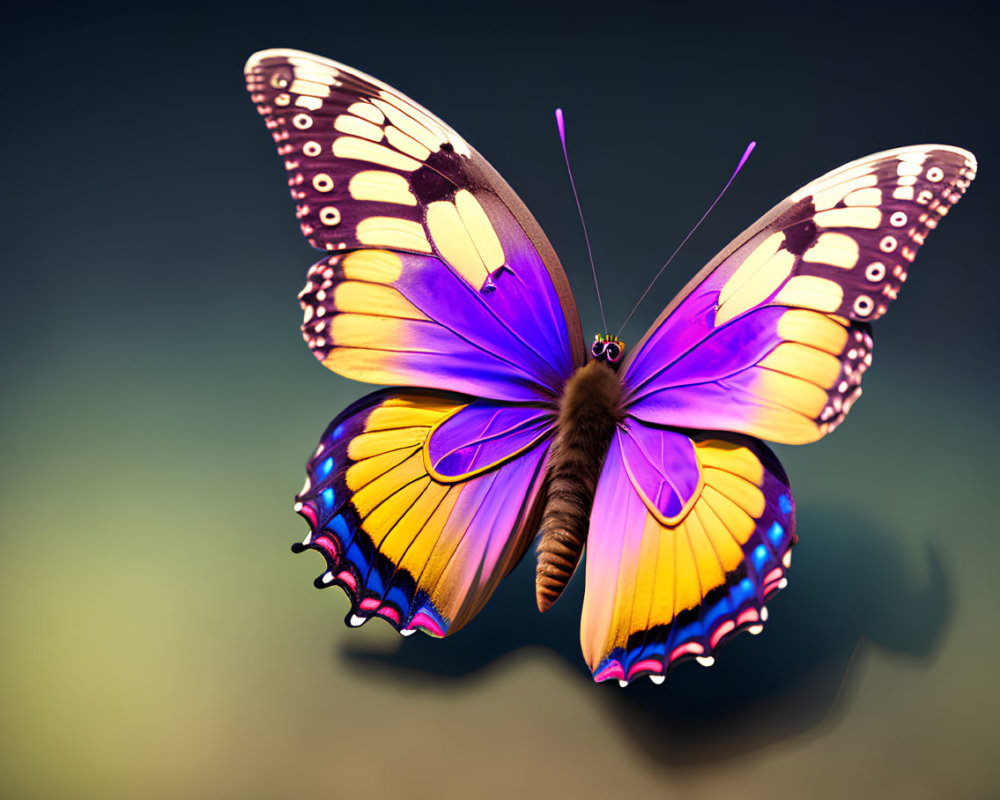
x,y
158,638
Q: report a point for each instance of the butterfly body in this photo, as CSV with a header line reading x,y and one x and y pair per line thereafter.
x,y
590,410
437,282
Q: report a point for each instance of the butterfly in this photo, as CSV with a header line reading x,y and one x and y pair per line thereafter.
x,y
503,426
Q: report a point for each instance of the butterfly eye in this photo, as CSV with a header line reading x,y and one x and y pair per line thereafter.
x,y
597,349
613,352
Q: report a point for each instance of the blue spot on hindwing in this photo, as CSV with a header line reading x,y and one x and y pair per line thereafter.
x,y
776,533
398,598
374,583
327,496
357,558
785,504
759,557
324,469
339,526
719,609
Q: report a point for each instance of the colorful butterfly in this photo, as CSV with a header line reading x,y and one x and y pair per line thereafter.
x,y
437,277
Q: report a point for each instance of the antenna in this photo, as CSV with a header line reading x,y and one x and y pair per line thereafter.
x,y
746,155
561,125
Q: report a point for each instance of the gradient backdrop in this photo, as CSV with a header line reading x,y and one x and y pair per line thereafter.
x,y
159,640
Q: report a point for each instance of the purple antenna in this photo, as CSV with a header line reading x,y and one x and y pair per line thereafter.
x,y
561,125
746,155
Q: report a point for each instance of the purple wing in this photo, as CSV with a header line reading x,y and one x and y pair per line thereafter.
x,y
421,502
478,436
771,338
688,538
436,274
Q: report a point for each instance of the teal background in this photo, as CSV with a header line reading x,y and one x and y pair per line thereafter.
x,y
159,640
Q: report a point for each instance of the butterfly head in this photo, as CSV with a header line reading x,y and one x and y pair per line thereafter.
x,y
609,349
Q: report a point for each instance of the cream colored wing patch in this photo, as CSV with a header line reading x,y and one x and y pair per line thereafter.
x,y
771,338
369,167
843,244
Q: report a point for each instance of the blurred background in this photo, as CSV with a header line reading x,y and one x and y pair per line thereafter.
x,y
158,405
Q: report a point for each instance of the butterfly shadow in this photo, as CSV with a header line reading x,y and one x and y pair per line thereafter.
x,y
852,588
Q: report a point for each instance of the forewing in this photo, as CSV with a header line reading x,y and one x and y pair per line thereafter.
x,y
771,338
397,318
688,538
370,169
413,536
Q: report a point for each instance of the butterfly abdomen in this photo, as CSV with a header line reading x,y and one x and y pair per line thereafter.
x,y
588,413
